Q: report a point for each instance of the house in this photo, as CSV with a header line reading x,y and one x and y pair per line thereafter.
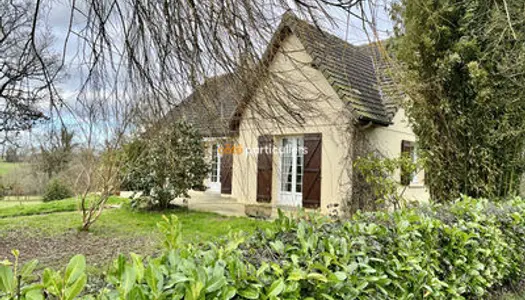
x,y
290,139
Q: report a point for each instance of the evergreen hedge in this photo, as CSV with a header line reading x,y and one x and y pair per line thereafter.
x,y
461,250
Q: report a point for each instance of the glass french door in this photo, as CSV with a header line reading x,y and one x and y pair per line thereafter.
x,y
291,171
214,184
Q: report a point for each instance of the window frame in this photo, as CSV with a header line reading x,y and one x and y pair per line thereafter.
x,y
412,152
296,145
215,160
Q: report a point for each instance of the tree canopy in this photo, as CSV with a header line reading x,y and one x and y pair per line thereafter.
x,y
463,71
28,67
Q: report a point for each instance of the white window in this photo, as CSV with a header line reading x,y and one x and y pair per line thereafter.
x,y
215,168
291,171
414,160
214,178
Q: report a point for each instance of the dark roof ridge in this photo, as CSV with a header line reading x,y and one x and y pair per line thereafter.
x,y
339,60
352,74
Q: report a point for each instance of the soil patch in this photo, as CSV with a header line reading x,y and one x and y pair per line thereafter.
x,y
55,251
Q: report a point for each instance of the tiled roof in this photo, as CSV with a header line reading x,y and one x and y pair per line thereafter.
x,y
391,94
210,107
357,74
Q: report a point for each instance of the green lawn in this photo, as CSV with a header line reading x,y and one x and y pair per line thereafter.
x,y
6,168
196,226
11,208
4,203
49,231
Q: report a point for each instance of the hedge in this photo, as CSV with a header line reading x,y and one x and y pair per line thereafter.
x,y
436,252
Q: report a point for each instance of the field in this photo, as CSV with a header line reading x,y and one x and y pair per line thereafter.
x,y
20,201
6,168
14,208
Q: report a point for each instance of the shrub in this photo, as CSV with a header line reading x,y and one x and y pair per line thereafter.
x,y
18,282
3,190
456,251
437,252
56,190
166,167
379,174
465,110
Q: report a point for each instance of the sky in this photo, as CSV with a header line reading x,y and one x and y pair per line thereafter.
x,y
349,29
57,14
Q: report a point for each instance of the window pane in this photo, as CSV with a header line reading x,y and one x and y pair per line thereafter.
x,y
414,160
287,174
292,165
299,166
214,151
298,188
407,150
214,164
286,166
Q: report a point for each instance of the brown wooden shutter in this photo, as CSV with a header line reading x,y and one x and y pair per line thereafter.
x,y
264,169
226,172
407,148
312,170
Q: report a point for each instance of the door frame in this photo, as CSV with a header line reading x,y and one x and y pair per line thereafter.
x,y
215,186
297,202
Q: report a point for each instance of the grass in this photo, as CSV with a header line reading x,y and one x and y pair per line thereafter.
x,y
49,231
9,208
12,202
6,167
60,216
196,226
26,199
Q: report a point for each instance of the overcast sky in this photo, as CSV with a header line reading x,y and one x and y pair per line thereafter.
x,y
57,14
349,29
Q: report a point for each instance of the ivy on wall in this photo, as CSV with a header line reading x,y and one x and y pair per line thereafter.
x,y
462,69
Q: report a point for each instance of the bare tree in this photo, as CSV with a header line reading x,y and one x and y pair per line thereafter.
x,y
159,51
104,124
139,58
166,49
28,68
56,151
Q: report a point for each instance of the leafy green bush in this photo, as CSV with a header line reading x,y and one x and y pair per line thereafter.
x,y
19,282
437,252
56,190
454,251
165,167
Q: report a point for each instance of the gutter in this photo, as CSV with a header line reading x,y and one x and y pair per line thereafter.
x,y
369,121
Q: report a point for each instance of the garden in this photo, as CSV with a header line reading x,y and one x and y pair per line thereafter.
x,y
470,249
50,231
455,68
